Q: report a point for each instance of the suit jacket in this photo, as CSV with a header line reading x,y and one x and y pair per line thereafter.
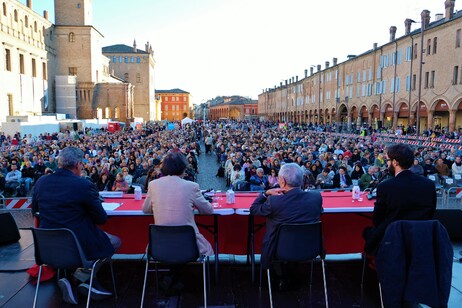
x,y
172,201
68,201
336,180
414,263
407,196
296,206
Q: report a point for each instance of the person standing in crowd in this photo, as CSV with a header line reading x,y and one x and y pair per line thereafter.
x,y
406,196
66,200
172,200
286,204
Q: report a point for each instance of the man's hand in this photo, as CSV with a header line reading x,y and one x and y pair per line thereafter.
x,y
275,191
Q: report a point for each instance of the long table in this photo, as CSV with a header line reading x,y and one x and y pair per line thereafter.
x,y
231,228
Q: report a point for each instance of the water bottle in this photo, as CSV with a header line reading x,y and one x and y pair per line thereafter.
x,y
137,195
356,192
230,197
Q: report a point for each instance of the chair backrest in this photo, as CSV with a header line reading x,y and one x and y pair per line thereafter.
x,y
58,248
173,244
9,232
299,242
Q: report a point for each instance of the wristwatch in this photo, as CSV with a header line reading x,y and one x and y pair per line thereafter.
x,y
264,194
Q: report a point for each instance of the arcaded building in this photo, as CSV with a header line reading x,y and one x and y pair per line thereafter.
x,y
233,107
380,87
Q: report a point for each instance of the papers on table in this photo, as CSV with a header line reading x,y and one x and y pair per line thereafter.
x,y
111,194
110,206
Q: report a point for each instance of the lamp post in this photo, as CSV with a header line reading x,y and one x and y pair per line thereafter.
x,y
424,15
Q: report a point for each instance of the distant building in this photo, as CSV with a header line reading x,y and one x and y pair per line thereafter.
x,y
175,104
135,66
233,107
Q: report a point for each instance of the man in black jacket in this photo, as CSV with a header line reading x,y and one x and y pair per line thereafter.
x,y
407,196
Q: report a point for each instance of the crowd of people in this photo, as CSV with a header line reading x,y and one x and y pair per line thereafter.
x,y
251,154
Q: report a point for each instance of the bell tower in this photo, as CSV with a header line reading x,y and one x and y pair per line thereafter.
x,y
73,12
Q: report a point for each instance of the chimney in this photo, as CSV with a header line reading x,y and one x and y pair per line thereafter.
x,y
29,4
407,26
45,14
286,82
134,46
439,16
374,46
311,70
306,73
449,5
334,61
319,67
392,33
146,47
280,85
425,18
327,64
296,78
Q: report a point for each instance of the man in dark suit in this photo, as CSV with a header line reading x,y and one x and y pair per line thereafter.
x,y
406,196
66,200
286,204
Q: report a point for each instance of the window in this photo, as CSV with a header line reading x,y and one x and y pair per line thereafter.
x,y
34,68
184,99
166,107
409,53
35,26
16,15
455,75
126,59
71,37
435,45
458,38
26,21
7,60
132,59
120,59
4,9
415,51
114,59
126,76
44,71
408,83
138,77
414,79
21,64
427,79
432,80
10,104
166,98
429,46
73,71
138,60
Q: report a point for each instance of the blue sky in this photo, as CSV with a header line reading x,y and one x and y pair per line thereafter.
x,y
240,47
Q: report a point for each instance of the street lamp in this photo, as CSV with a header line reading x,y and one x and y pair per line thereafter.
x,y
424,15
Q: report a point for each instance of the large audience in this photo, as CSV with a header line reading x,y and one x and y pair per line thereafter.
x,y
250,154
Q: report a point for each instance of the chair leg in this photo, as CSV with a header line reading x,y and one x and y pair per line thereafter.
x,y
381,297
144,283
269,287
364,257
208,273
91,282
324,280
311,275
204,278
113,278
37,287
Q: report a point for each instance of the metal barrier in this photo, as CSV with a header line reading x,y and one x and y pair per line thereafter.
x,y
15,203
453,198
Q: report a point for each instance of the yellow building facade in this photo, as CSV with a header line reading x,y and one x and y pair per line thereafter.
x,y
381,86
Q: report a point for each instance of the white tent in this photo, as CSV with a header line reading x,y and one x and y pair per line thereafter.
x,y
186,121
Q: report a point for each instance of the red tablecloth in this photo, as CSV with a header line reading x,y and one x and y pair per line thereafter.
x,y
342,230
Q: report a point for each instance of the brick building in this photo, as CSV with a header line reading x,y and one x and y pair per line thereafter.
x,y
175,104
233,107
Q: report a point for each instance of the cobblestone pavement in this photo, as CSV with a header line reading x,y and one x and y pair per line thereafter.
x,y
208,167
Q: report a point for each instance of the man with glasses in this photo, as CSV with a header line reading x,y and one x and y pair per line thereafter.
x,y
406,196
66,200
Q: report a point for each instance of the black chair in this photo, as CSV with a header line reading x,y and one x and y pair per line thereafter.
x,y
173,245
60,249
9,232
299,243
